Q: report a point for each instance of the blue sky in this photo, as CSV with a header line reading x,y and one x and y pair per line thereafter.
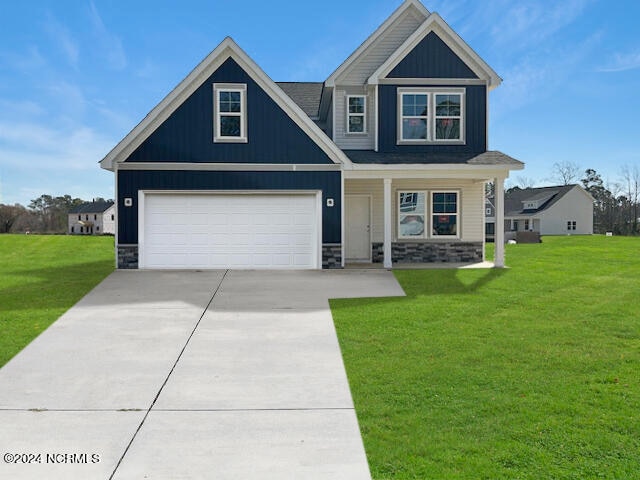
x,y
76,76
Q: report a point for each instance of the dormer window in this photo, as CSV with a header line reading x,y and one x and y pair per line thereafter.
x,y
427,116
230,112
356,114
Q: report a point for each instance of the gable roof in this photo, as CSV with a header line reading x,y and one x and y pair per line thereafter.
x,y
548,196
414,5
307,95
435,23
92,207
227,49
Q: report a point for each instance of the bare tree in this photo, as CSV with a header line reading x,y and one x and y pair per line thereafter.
x,y
525,182
566,173
631,181
8,216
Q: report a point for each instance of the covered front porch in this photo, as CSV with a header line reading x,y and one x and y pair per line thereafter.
x,y
423,216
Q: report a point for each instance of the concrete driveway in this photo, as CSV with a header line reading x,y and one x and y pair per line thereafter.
x,y
189,375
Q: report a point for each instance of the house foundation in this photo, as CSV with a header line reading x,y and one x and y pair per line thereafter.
x,y
427,252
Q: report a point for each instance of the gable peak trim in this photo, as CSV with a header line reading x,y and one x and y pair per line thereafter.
x,y
436,24
413,6
227,49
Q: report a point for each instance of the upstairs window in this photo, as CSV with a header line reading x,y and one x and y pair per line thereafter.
x,y
448,117
356,114
428,116
414,118
230,112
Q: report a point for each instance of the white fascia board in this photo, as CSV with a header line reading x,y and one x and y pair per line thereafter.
x,y
462,172
233,167
227,49
331,81
435,23
167,106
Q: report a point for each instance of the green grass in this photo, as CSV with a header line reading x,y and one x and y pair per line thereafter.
x,y
530,372
41,277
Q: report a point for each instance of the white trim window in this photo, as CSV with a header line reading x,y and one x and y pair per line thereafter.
x,y
443,208
428,116
444,214
356,114
448,121
411,214
230,112
572,225
414,117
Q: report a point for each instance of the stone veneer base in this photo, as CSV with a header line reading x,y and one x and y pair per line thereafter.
x,y
428,252
128,256
331,256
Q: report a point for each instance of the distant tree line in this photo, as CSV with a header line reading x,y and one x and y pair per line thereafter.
x,y
45,214
616,205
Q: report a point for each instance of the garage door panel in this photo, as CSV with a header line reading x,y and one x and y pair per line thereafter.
x,y
230,231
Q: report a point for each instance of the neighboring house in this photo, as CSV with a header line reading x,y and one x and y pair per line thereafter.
x,y
385,161
561,210
92,218
490,218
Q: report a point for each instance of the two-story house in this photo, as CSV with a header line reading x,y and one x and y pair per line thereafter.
x,y
385,161
92,218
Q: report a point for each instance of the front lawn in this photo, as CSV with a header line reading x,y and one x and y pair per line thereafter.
x,y
41,276
530,372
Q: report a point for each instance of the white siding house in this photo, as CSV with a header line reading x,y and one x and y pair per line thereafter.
x,y
92,218
560,210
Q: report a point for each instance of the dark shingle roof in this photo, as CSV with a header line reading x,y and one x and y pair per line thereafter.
x,y
513,205
306,95
91,207
487,158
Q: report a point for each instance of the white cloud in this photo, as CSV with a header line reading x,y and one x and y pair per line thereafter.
x,y
148,69
622,62
21,109
47,147
69,97
30,60
110,43
63,40
540,75
510,25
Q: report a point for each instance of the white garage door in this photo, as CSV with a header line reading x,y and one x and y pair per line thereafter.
x,y
278,231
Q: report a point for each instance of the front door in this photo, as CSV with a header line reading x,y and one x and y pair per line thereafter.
x,y
358,228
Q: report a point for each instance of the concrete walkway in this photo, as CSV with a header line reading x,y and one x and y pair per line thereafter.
x,y
189,375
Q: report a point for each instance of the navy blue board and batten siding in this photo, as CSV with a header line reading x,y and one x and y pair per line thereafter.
x,y
131,181
433,59
187,135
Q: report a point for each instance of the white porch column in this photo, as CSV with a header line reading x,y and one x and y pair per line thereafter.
x,y
499,228
387,223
